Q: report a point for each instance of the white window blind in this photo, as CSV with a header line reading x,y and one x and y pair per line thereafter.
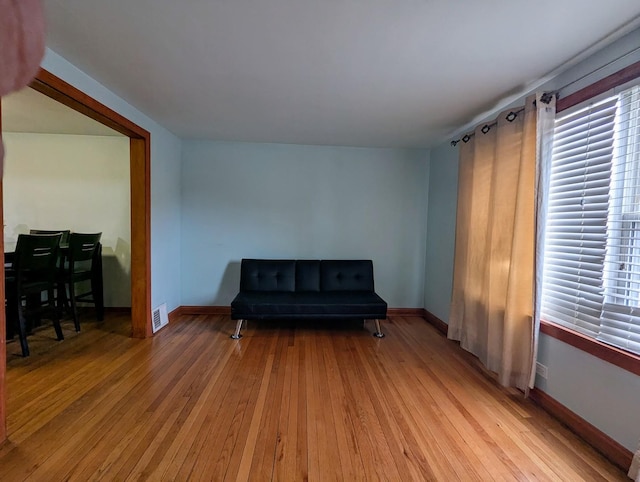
x,y
591,272
576,232
620,324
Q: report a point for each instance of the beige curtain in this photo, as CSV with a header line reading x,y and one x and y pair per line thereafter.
x,y
492,300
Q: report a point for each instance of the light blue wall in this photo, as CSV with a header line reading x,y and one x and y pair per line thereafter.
x,y
441,229
165,182
166,239
244,200
603,394
606,396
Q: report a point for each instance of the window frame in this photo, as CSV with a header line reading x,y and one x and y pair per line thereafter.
x,y
618,357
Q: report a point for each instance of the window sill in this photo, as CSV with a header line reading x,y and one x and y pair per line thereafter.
x,y
620,358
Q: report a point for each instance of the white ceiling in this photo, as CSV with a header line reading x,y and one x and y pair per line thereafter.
x,y
379,73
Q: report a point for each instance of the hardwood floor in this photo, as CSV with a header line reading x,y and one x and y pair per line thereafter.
x,y
286,402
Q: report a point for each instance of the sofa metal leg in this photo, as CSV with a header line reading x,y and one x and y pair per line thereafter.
x,y
237,335
378,333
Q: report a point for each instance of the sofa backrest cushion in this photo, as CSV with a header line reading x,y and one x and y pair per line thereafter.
x,y
267,275
346,275
308,275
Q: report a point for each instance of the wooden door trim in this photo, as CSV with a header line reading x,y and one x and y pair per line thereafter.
x,y
140,166
3,325
140,152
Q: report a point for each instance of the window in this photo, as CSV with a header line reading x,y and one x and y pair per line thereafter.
x,y
591,272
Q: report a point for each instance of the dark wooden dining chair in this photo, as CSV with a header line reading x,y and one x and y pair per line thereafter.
x,y
33,273
65,233
82,263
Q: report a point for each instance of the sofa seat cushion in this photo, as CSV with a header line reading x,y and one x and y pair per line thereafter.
x,y
286,305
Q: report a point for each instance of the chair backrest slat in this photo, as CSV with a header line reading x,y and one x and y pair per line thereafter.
x,y
65,233
82,246
37,253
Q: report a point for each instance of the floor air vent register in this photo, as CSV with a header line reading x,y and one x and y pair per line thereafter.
x,y
159,317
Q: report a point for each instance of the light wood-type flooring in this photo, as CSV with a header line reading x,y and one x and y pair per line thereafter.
x,y
288,402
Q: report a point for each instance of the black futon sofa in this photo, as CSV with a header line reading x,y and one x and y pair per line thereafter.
x,y
307,289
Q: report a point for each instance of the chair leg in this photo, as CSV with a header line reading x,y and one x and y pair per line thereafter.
x,y
62,302
32,302
22,331
378,333
11,310
74,310
58,328
237,335
55,314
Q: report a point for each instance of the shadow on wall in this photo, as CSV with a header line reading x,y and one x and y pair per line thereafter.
x,y
15,232
116,272
229,285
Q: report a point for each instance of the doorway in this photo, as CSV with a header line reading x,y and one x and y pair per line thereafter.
x,y
140,176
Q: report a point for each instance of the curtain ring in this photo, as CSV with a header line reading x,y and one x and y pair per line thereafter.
x,y
547,97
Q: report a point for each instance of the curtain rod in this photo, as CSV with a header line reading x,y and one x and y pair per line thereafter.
x,y
511,116
556,92
602,67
